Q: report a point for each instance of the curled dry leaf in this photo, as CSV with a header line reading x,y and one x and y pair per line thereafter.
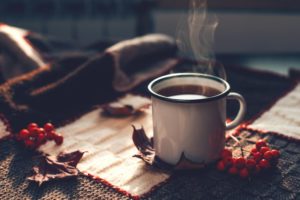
x,y
147,153
128,105
59,167
144,145
118,110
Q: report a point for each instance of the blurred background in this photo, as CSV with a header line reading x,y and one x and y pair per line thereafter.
x,y
261,34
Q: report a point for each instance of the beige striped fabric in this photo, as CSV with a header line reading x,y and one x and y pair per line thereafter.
x,y
3,129
109,147
283,117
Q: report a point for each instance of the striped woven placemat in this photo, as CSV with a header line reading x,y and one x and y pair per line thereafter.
x,y
109,148
283,117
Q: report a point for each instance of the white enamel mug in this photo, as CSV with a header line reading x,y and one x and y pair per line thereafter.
x,y
193,127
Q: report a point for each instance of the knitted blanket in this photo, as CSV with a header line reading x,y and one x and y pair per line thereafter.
x,y
57,84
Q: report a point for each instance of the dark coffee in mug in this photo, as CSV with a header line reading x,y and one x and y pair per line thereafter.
x,y
189,116
188,92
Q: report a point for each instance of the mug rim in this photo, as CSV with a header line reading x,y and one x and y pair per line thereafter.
x,y
189,74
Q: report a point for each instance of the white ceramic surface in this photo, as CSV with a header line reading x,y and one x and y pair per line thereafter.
x,y
195,127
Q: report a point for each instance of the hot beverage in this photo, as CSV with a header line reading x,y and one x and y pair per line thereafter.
x,y
189,116
188,92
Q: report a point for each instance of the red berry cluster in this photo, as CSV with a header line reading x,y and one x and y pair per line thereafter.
x,y
34,136
261,158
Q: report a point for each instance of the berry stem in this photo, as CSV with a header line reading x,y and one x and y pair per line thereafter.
x,y
242,150
234,138
238,142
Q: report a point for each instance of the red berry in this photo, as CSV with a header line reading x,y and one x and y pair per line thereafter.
x,y
240,162
41,131
48,127
32,126
34,132
264,149
233,160
41,138
24,134
244,173
51,135
260,143
58,139
226,153
264,164
275,153
250,164
29,143
221,166
253,151
233,171
268,155
257,156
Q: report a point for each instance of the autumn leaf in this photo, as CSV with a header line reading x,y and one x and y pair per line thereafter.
x,y
126,106
143,144
147,154
118,110
59,167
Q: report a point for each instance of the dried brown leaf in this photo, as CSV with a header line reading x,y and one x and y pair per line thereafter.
x,y
126,106
144,145
147,153
118,111
62,166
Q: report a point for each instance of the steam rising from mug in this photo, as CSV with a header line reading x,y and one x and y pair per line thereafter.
x,y
195,38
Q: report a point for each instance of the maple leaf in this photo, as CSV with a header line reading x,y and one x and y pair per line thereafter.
x,y
59,167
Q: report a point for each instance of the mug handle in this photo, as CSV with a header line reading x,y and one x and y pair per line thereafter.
x,y
242,111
